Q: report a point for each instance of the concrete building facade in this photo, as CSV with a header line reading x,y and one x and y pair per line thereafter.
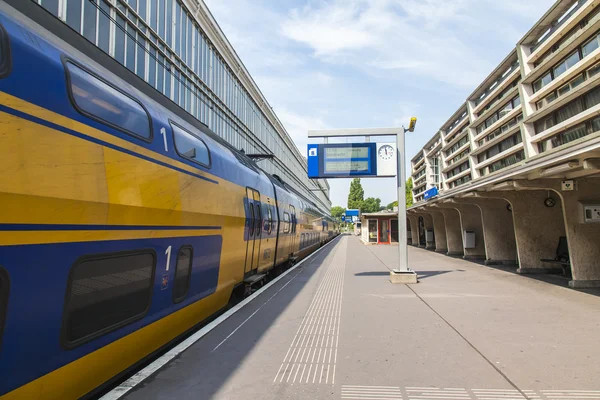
x,y
178,48
517,166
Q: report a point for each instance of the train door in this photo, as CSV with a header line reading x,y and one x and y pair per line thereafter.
x,y
254,230
258,229
293,229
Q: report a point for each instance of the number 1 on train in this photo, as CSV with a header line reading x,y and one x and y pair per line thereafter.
x,y
163,132
168,253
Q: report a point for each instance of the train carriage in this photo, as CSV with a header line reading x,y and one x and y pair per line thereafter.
x,y
124,223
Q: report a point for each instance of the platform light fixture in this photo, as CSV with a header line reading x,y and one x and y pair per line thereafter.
x,y
560,168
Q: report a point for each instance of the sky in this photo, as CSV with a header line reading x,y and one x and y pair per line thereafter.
x,y
328,64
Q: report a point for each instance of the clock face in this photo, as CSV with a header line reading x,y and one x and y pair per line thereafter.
x,y
386,152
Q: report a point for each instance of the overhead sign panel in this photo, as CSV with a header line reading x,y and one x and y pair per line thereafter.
x,y
428,194
344,160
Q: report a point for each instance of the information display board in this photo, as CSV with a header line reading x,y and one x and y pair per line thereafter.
x,y
343,160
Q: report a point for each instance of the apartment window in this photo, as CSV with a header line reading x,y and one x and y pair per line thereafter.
x,y
590,46
561,68
560,92
190,146
507,108
543,81
576,132
508,161
106,292
500,147
98,100
459,181
490,88
567,63
457,145
571,109
593,71
183,273
458,169
460,156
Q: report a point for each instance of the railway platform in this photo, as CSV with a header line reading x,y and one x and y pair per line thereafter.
x,y
334,327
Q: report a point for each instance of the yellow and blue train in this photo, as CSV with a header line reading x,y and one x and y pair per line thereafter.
x,y
124,221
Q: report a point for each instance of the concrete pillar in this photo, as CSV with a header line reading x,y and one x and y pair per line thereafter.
x,y
453,235
439,229
470,220
583,238
428,223
498,230
537,228
414,228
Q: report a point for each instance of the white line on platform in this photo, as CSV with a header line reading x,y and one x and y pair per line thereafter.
x,y
160,362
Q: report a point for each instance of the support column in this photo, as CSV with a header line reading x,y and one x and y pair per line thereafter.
x,y
498,230
470,220
537,228
453,234
428,223
414,228
439,229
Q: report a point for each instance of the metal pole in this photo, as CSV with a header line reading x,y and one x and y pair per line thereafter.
x,y
402,240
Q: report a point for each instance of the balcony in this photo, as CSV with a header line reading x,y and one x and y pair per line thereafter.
x,y
500,156
511,130
505,118
451,156
506,81
566,47
458,176
497,105
566,22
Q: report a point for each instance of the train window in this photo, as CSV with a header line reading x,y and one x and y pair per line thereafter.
x,y
106,292
4,287
286,222
302,238
183,273
251,223
293,211
190,146
5,62
100,101
270,220
258,220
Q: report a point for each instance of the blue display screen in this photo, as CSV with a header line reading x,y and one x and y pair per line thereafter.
x,y
341,160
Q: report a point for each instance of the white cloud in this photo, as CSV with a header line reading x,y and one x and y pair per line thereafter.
x,y
298,125
436,39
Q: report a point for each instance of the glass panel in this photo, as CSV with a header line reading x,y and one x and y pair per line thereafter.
x,y
505,110
74,14
543,81
104,27
592,98
183,272
372,230
593,71
89,21
52,6
190,146
384,231
120,40
100,101
569,110
107,292
590,46
577,81
516,101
